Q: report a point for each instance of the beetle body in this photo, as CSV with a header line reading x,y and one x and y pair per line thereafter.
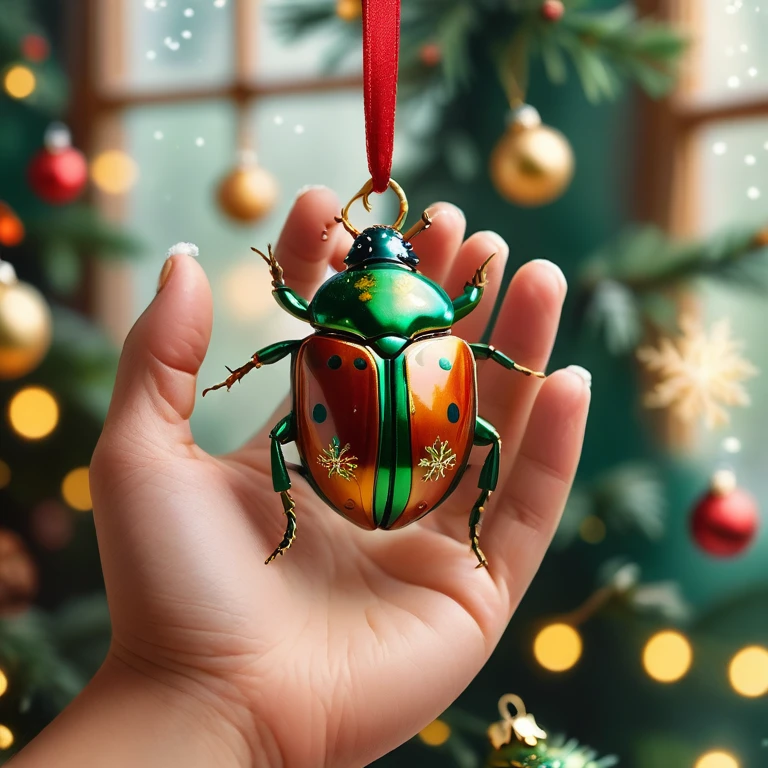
x,y
384,439
384,397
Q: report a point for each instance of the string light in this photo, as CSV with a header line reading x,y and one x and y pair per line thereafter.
x,y
3,682
5,474
33,413
114,172
748,671
592,529
76,491
717,760
436,733
557,647
667,656
6,737
20,82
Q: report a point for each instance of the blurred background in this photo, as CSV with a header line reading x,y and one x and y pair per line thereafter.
x,y
626,142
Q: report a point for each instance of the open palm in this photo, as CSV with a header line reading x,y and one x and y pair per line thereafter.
x,y
345,647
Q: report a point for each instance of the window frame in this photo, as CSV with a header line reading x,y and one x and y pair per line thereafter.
x,y
101,99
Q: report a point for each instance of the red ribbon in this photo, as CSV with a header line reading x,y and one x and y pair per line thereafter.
x,y
381,44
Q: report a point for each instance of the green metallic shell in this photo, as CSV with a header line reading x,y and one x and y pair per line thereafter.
x,y
381,299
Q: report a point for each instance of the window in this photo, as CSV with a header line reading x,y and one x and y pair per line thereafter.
x,y
709,170
187,83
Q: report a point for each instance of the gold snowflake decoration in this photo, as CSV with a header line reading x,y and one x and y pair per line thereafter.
x,y
333,459
699,373
440,458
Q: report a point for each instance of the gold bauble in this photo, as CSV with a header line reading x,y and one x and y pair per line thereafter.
x,y
25,325
531,164
349,10
247,193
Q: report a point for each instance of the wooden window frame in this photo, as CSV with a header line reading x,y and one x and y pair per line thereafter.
x,y
96,32
670,130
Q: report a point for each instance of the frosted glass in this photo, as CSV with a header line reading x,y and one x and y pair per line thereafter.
x,y
734,47
179,43
302,139
280,59
734,189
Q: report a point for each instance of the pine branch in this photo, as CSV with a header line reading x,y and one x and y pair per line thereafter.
x,y
624,282
627,497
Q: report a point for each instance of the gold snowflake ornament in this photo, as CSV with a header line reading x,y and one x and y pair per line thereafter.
x,y
699,374
440,458
333,459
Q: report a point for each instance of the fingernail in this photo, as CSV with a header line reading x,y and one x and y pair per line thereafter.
x,y
188,249
582,373
550,265
308,188
165,273
439,209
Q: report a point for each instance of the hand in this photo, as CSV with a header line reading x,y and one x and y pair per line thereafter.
x,y
347,646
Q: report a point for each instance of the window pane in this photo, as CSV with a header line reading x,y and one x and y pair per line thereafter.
x,y
734,48
302,139
178,43
734,190
280,59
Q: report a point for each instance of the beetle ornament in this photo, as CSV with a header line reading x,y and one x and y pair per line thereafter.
x,y
384,397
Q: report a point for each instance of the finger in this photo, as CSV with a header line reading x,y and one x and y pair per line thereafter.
x,y
154,392
525,330
522,519
301,250
438,245
472,255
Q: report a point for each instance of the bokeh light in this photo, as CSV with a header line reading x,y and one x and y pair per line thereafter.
x,y
6,737
19,82
748,671
557,647
33,413
667,656
3,682
717,759
11,228
76,491
247,289
114,172
592,529
436,733
5,474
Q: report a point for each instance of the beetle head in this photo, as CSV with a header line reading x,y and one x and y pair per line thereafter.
x,y
381,244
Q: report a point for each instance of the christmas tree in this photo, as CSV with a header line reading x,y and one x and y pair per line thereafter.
x,y
531,116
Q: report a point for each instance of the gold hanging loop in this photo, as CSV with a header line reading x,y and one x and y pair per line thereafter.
x,y
364,194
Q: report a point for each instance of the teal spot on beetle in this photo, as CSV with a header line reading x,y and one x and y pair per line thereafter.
x,y
445,364
319,413
360,364
334,362
453,413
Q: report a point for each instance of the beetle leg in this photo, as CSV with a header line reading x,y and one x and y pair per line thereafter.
x,y
237,374
271,354
485,434
488,352
284,432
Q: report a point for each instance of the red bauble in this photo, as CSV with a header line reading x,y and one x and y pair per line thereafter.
x,y
725,520
35,48
58,172
552,10
430,54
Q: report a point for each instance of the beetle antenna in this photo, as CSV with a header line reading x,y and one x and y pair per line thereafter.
x,y
424,223
343,221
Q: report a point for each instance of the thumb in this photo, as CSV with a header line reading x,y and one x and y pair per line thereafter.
x,y
154,391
